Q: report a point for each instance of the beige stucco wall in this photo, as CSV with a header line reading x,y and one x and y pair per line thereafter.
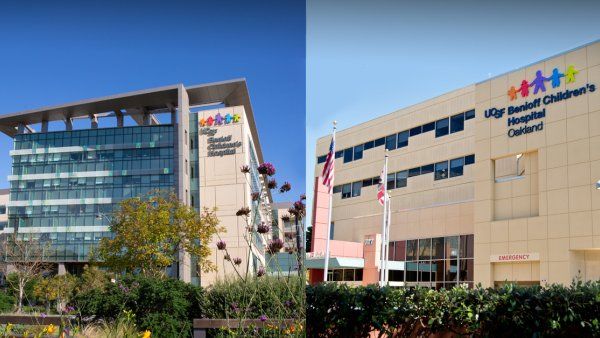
x,y
425,208
222,185
554,210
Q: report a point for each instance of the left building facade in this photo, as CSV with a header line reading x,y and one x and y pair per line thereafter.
x,y
66,181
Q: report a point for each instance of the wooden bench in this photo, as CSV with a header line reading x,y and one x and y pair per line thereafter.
x,y
202,325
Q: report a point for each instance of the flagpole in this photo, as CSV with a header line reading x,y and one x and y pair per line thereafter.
x,y
383,232
326,267
387,240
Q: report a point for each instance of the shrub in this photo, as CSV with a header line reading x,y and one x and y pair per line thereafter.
x,y
273,297
7,302
339,310
159,305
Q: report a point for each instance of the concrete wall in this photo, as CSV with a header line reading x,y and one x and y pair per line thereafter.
x,y
223,186
553,209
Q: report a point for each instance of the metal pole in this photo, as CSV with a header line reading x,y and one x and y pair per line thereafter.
x,y
387,240
326,267
383,232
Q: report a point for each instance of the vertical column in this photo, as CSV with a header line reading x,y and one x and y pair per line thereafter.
x,y
182,177
44,126
68,123
94,121
21,128
119,116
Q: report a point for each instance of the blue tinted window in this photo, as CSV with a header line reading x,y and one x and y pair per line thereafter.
x,y
356,186
391,181
470,114
337,189
428,127
390,142
348,155
457,123
367,182
369,145
470,159
339,154
415,131
379,142
456,166
414,172
346,190
321,159
401,177
441,127
358,152
403,139
441,170
426,169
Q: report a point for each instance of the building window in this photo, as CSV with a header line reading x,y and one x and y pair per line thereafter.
x,y
441,170
390,142
470,159
321,159
426,169
441,127
414,172
356,188
2,209
339,153
379,142
347,190
428,127
416,131
337,189
457,123
456,166
347,155
331,230
470,114
401,177
358,152
403,139
391,181
367,182
369,145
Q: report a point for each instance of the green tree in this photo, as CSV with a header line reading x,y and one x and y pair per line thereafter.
x,y
58,289
149,234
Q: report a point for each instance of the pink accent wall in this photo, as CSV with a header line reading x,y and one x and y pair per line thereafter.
x,y
320,220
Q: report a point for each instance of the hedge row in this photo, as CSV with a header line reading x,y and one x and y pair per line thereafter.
x,y
166,307
336,310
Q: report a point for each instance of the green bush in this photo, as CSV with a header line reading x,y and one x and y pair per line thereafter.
x,y
165,306
273,297
7,302
338,310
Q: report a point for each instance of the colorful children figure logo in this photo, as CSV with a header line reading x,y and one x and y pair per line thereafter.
x,y
538,83
219,120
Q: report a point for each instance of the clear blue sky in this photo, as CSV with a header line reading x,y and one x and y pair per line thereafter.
x,y
58,52
369,58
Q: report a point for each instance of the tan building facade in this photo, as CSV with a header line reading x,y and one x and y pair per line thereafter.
x,y
489,183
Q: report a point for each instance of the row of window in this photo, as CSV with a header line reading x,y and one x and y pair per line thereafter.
x,y
68,246
102,155
74,182
94,137
165,164
441,170
441,127
450,247
115,192
64,210
345,275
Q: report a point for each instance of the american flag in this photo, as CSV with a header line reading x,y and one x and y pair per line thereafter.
x,y
327,174
381,188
